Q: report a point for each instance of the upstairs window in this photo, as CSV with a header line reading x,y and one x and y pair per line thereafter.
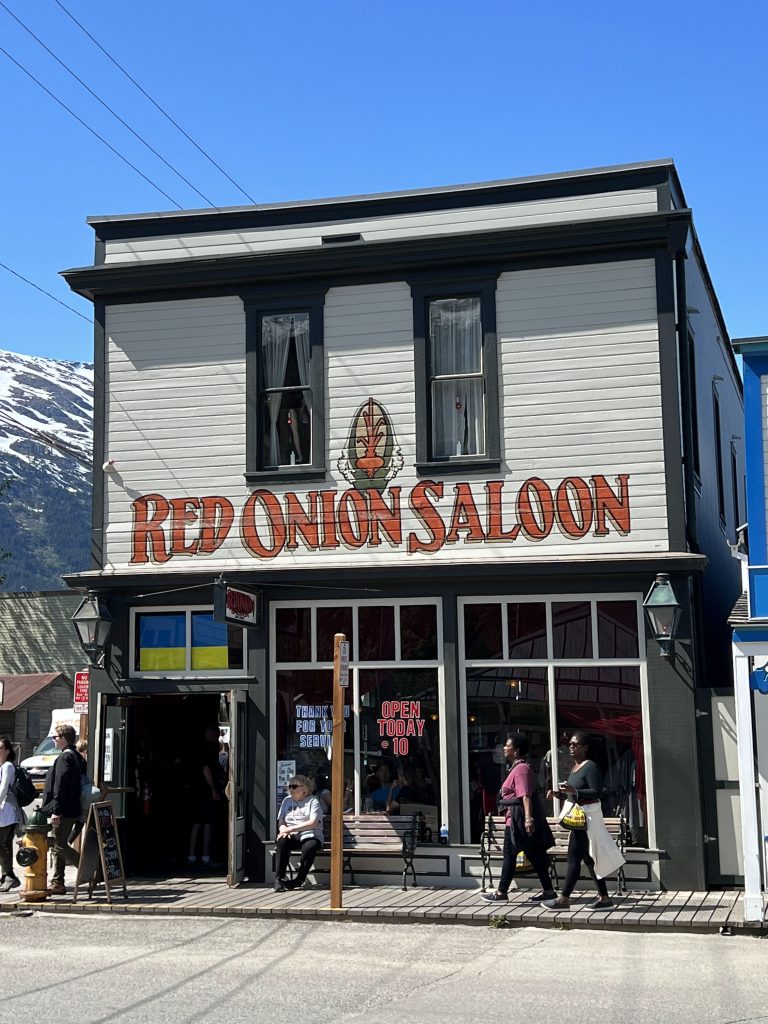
x,y
285,398
456,377
284,384
455,370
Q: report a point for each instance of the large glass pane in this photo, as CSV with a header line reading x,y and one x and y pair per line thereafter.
x,y
329,622
161,642
376,632
527,622
605,704
287,422
293,634
482,631
399,742
502,701
458,417
617,629
418,632
456,336
572,629
304,729
215,644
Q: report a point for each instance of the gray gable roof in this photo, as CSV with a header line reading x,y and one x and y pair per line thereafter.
x,y
36,634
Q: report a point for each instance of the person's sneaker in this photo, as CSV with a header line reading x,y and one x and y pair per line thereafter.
x,y
555,905
7,884
293,883
601,904
542,896
279,885
494,897
57,888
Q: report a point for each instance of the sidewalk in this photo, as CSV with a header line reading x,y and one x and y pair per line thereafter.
x,y
638,911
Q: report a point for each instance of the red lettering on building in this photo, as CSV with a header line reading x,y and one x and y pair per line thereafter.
x,y
465,517
609,505
353,518
240,604
428,514
536,523
384,516
148,536
275,523
495,531
299,521
184,512
328,520
574,507
217,518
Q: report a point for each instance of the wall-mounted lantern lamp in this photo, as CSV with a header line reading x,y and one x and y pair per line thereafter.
x,y
93,624
663,611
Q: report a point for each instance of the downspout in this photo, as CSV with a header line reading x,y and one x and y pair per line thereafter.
x,y
684,361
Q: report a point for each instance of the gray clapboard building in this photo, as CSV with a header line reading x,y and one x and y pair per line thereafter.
x,y
465,426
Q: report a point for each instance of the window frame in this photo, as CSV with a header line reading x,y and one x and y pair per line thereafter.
x,y
355,667
551,663
422,294
719,469
256,308
188,672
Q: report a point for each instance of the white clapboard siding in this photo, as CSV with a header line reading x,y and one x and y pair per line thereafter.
x,y
579,396
383,228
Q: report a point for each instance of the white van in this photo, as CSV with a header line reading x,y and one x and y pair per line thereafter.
x,y
45,753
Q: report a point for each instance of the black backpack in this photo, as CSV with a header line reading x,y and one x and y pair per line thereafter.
x,y
23,786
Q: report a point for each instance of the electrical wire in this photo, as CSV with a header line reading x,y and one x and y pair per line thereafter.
x,y
154,102
32,434
37,286
104,104
91,130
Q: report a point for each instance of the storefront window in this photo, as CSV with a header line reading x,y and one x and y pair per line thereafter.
x,y
392,734
605,703
482,632
617,629
418,632
399,742
501,702
186,641
571,629
376,632
527,629
331,621
293,629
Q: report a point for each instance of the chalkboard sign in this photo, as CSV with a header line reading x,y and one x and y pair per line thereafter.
x,y
100,856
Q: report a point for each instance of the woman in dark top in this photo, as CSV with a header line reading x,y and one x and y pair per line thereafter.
x,y
526,826
583,787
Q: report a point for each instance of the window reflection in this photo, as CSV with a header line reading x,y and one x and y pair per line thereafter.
x,y
482,631
572,629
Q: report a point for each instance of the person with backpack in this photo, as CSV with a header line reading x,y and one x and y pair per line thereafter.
x,y
10,815
62,800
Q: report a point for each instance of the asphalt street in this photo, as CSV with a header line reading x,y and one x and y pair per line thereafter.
x,y
197,970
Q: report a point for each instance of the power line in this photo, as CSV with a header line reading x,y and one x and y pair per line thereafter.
x,y
154,102
91,130
42,437
106,106
37,286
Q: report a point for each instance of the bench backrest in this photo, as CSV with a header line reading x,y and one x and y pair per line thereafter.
x,y
377,830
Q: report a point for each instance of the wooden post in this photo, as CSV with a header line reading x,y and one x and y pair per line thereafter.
x,y
340,681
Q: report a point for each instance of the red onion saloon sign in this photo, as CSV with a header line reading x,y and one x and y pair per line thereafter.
x,y
372,511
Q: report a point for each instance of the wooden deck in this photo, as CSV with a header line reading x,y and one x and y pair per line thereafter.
x,y
642,911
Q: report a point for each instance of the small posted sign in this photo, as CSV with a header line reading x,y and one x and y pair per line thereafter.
x,y
82,682
344,663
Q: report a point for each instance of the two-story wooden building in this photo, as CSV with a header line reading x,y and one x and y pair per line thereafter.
x,y
465,426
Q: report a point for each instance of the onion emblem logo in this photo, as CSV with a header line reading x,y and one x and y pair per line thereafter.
x,y
372,456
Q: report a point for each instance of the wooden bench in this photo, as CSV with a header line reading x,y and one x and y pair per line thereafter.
x,y
377,833
492,845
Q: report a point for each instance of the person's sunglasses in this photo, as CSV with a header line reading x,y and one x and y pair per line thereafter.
x,y
295,785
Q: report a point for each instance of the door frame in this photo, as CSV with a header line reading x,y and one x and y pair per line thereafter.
x,y
238,761
710,785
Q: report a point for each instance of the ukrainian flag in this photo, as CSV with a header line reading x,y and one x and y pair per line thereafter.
x,y
162,643
210,646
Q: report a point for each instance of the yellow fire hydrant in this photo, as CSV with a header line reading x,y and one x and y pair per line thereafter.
x,y
32,855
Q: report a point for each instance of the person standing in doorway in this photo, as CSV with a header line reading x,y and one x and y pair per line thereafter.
x,y
62,801
206,795
10,815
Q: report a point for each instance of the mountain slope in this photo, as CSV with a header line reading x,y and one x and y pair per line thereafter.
x,y
46,436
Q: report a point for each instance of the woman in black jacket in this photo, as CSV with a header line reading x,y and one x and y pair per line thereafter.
x,y
62,801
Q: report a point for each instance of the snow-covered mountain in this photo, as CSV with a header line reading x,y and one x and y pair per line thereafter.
x,y
46,436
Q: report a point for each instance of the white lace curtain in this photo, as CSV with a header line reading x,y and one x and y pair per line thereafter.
x,y
456,347
276,333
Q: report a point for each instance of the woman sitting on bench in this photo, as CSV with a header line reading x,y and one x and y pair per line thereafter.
x,y
300,827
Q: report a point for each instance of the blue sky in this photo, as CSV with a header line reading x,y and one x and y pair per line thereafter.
x,y
297,101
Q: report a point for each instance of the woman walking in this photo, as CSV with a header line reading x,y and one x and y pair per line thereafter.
x,y
592,846
526,826
10,815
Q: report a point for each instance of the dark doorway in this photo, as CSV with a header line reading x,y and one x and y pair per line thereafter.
x,y
168,748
